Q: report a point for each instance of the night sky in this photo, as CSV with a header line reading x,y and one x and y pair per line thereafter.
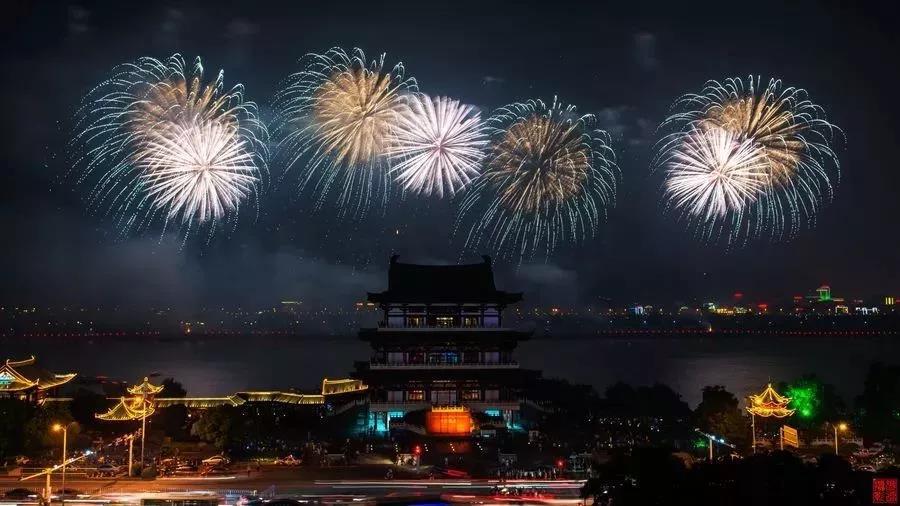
x,y
625,61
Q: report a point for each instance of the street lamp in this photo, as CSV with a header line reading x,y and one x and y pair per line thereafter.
x,y
64,428
838,427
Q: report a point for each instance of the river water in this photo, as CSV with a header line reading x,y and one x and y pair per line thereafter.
x,y
221,365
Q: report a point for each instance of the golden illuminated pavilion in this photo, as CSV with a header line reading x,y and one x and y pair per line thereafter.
x,y
24,379
128,409
769,403
145,388
137,407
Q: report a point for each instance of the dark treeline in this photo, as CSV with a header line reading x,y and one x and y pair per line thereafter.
x,y
575,417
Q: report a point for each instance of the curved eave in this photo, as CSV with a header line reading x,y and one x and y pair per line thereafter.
x,y
142,390
19,363
59,379
122,412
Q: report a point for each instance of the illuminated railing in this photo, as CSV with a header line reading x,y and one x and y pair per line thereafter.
x,y
453,326
444,365
477,405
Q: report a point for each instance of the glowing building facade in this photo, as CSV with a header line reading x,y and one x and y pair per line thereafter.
x,y
24,379
442,348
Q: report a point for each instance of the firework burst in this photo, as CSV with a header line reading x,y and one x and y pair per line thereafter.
x,y
340,112
437,146
711,174
787,142
549,176
155,141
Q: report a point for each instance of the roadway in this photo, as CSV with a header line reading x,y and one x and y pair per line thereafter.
x,y
291,482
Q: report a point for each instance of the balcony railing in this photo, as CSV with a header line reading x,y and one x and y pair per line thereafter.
x,y
444,365
505,404
385,325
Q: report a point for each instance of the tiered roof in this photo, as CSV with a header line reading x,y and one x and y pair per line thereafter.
x,y
770,403
140,405
128,409
21,375
435,284
145,388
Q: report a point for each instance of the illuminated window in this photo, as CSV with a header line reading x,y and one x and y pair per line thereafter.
x,y
443,397
415,321
491,318
472,395
395,357
444,321
470,321
415,395
378,421
443,357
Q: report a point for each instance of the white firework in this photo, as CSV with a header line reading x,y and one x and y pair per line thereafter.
x,y
793,138
712,173
437,146
156,142
199,171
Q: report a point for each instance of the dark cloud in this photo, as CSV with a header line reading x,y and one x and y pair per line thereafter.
x,y
79,20
644,47
173,21
240,28
548,284
625,125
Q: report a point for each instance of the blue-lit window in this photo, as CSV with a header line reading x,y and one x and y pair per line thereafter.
x,y
378,422
492,412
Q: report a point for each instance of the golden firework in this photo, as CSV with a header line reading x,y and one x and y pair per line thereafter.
x,y
769,122
549,176
540,161
335,123
355,111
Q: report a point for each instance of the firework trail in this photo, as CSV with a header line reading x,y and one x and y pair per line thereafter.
x,y
437,146
156,142
340,112
792,155
549,177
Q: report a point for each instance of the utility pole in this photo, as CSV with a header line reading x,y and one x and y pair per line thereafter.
x,y
63,492
47,491
753,430
143,431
